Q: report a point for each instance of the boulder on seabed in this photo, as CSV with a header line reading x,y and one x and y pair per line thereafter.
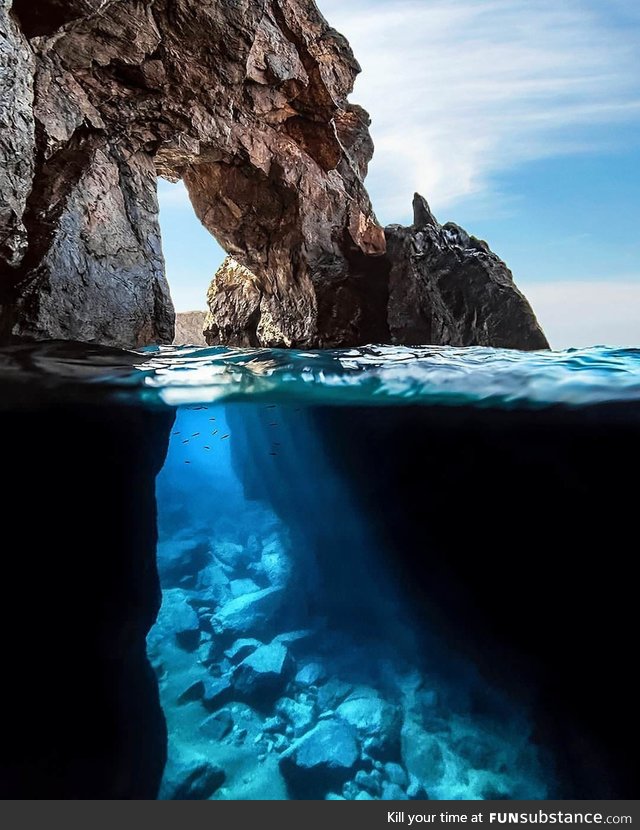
x,y
242,648
189,776
396,774
248,614
311,674
331,693
320,761
392,792
240,587
276,564
217,726
217,692
177,618
300,716
377,723
193,692
180,561
422,755
213,582
263,673
233,557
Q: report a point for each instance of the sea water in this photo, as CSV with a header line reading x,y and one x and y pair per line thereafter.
x,y
363,556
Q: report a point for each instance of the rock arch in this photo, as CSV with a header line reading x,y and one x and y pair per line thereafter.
x,y
245,101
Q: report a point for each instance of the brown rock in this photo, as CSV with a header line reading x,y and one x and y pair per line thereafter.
x,y
189,328
244,101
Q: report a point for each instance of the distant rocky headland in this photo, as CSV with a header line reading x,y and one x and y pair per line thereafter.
x,y
189,328
247,103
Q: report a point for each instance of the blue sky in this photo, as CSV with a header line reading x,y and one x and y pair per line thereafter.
x,y
518,119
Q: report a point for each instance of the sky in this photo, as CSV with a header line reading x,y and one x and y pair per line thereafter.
x,y
517,119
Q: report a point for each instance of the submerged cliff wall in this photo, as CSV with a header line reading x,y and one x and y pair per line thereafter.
x,y
81,716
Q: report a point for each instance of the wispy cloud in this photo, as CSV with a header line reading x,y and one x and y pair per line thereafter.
x,y
460,92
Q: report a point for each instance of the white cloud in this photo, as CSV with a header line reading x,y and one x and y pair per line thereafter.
x,y
579,314
462,91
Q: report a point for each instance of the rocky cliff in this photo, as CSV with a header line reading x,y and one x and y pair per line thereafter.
x,y
246,101
189,327
436,285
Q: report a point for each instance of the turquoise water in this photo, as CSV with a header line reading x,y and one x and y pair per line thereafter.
x,y
375,375
379,567
243,573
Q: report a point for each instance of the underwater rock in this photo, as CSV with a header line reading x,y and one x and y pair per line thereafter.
x,y
392,792
311,674
416,791
179,618
241,587
300,716
234,557
189,776
332,693
217,692
262,673
369,781
100,734
249,614
193,692
214,583
376,721
321,760
422,754
180,561
217,726
276,564
241,649
448,288
396,774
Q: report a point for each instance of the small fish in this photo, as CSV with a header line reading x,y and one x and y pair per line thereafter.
x,y
187,462
207,448
212,419
273,406
273,453
186,442
177,433
195,434
215,432
225,436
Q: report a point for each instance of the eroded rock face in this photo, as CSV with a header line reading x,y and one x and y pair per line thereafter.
x,y
189,328
448,288
436,285
246,101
